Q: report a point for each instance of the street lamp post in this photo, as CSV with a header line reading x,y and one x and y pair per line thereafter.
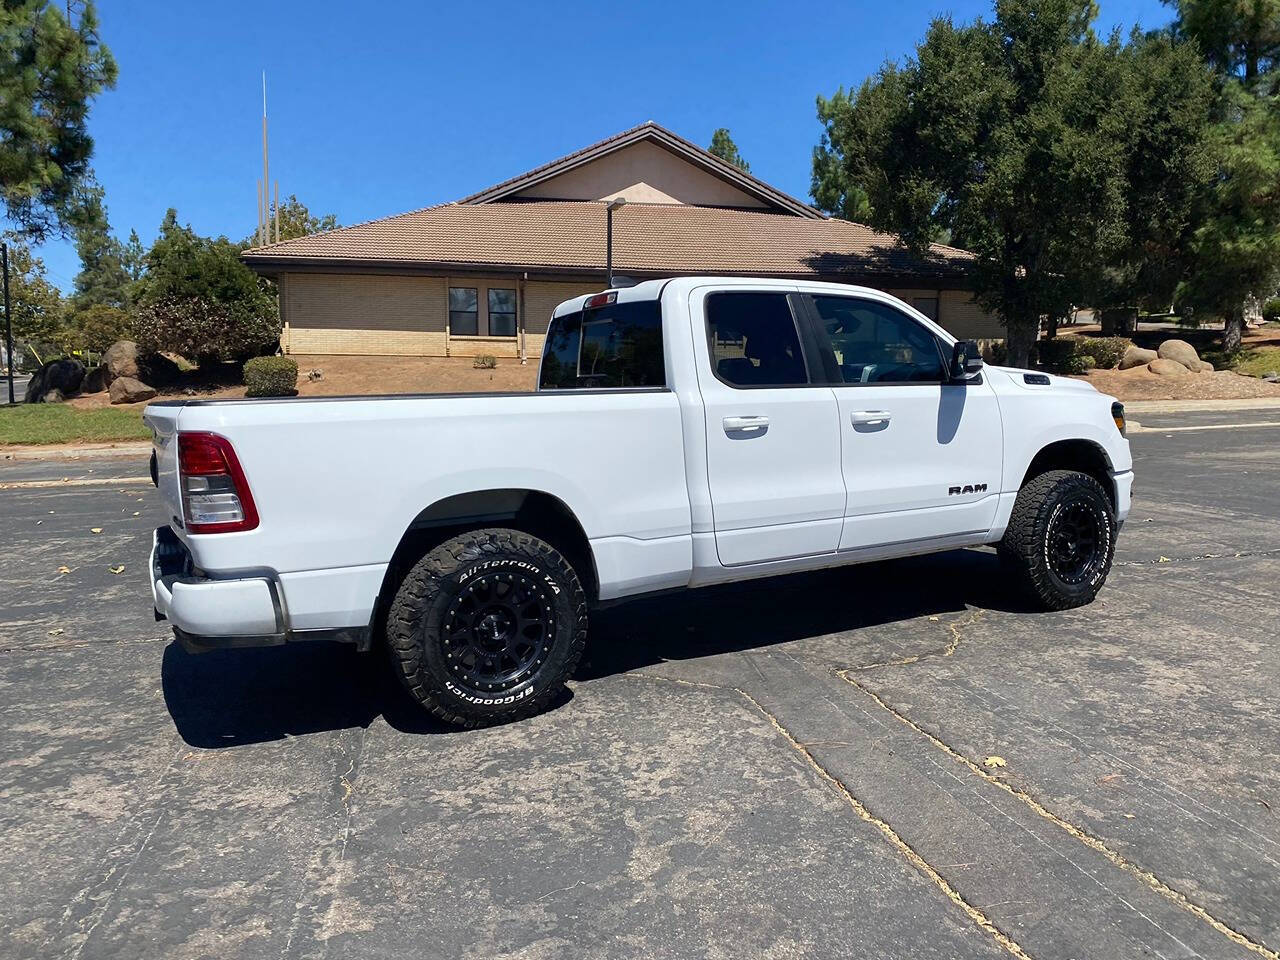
x,y
614,204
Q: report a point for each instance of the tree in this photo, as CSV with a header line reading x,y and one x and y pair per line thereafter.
x,y
103,277
296,221
50,70
1239,38
133,257
722,146
1236,247
1018,139
35,303
198,298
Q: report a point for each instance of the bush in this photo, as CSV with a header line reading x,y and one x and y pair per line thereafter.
x,y
99,326
486,361
1078,354
205,330
1056,354
271,377
1106,351
1271,311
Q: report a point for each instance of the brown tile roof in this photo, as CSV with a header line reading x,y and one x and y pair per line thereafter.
x,y
650,239
662,137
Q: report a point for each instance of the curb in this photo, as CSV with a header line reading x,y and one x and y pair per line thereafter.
x,y
74,452
1200,406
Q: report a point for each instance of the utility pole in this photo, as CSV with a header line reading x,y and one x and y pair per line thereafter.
x,y
614,204
266,179
8,319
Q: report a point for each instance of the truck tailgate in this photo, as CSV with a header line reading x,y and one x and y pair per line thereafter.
x,y
162,419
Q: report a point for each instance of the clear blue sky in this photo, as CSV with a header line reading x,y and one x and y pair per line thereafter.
x,y
381,107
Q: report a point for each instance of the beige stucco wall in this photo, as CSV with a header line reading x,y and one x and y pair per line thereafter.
x,y
642,173
963,318
352,314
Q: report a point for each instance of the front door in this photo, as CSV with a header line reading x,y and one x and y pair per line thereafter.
x,y
773,435
922,457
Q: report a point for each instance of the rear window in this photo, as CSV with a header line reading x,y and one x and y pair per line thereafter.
x,y
616,345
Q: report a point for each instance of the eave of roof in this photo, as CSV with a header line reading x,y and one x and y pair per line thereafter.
x,y
662,137
567,238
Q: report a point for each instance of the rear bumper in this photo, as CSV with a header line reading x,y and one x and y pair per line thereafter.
x,y
211,613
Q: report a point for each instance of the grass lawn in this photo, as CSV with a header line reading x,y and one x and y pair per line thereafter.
x,y
1258,361
39,423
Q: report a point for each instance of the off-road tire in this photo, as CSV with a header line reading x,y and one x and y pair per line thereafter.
x,y
421,619
1026,549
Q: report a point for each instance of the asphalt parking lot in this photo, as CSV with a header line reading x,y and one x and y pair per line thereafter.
x,y
896,760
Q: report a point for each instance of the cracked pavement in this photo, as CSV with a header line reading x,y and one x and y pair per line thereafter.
x,y
788,768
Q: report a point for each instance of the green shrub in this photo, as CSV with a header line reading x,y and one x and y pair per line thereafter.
x,y
1080,363
1271,311
271,377
485,361
205,330
1107,352
1055,354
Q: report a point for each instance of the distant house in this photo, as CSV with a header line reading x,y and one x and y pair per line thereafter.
x,y
483,274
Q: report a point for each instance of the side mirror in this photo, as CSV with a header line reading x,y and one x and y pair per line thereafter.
x,y
966,361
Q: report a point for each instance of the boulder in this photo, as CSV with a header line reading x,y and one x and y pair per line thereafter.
x,y
1181,352
53,396
121,360
1136,357
159,369
65,376
130,390
1204,367
95,381
1167,368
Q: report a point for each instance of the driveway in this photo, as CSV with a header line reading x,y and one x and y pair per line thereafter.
x,y
895,760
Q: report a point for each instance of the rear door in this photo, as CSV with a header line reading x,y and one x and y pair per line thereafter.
x,y
921,456
773,436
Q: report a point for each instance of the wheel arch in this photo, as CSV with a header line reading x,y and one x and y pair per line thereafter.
x,y
536,512
1079,454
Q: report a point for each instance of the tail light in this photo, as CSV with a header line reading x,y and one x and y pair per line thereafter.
x,y
215,493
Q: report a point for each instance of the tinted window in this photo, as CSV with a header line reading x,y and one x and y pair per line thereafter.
x,y
502,312
875,343
618,345
464,311
752,340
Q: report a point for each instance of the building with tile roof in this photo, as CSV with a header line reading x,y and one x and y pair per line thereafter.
x,y
483,274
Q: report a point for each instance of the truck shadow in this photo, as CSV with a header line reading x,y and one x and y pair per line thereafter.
x,y
235,697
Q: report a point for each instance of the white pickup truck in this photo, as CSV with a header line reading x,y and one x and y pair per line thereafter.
x,y
684,432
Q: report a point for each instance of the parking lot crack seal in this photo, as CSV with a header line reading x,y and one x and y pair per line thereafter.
x,y
1089,840
1245,555
956,629
892,836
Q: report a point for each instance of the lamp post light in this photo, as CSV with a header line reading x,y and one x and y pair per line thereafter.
x,y
614,204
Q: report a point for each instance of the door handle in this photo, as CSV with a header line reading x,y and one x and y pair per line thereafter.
x,y
753,425
861,417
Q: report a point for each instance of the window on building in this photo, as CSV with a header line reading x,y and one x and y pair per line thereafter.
x,y
928,306
617,345
464,311
752,340
874,343
502,312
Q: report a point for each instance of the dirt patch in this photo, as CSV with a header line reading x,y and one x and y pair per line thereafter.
x,y
1141,384
362,376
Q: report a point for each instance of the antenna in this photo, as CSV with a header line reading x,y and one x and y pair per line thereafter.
x,y
265,229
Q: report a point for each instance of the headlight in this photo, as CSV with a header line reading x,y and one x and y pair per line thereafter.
x,y
1117,414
